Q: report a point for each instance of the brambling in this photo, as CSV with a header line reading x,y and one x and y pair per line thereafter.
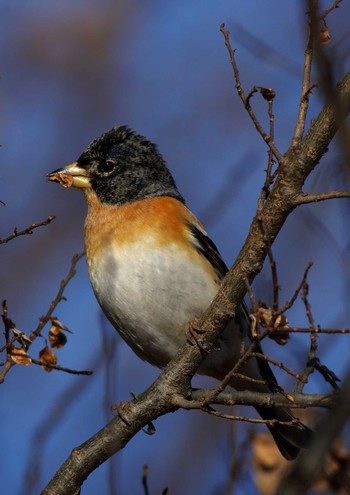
x,y
153,267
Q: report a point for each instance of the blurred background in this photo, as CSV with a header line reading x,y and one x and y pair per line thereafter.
x,y
69,72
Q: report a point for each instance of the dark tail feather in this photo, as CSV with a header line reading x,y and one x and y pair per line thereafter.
x,y
289,439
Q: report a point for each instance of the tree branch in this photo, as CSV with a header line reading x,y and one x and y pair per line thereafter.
x,y
305,91
248,398
306,198
245,99
28,230
9,325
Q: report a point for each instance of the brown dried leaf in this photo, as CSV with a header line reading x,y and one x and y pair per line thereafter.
x,y
325,36
60,325
57,338
267,93
47,356
254,327
20,334
267,319
19,355
265,315
66,180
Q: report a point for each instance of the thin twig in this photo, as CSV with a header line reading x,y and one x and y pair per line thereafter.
x,y
60,368
10,342
291,302
313,339
268,94
59,297
144,479
273,266
270,164
28,230
305,198
318,330
44,319
305,91
245,356
280,365
245,100
334,6
270,422
250,293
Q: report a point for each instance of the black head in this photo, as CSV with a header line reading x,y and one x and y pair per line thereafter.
x,y
122,166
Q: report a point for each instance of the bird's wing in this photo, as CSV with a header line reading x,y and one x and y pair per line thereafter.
x,y
208,249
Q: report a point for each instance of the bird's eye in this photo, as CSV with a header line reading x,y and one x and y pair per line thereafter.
x,y
107,167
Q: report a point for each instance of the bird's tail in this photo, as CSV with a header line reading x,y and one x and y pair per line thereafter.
x,y
289,438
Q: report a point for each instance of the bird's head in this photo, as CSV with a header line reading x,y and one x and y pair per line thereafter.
x,y
120,166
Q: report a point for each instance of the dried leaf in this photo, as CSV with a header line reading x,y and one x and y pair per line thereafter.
x,y
267,93
265,315
60,325
150,429
19,356
325,36
57,338
22,335
47,356
267,319
254,328
66,180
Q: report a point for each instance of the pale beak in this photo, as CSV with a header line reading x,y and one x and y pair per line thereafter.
x,y
72,175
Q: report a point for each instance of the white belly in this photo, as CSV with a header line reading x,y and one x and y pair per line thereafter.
x,y
151,295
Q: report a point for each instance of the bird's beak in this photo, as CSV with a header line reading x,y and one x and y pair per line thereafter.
x,y
72,175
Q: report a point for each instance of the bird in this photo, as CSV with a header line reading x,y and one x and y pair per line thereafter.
x,y
153,268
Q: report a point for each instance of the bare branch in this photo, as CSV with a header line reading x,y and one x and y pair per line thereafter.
x,y
334,6
245,99
280,365
317,330
9,325
60,368
59,297
305,198
28,230
290,303
306,89
200,398
245,419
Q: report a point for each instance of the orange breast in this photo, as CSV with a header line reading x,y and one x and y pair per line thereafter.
x,y
157,221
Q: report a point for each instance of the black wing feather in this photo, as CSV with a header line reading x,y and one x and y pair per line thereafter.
x,y
208,249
